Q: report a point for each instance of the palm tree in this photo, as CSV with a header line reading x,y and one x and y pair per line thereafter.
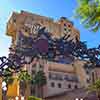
x,y
40,81
88,11
95,87
24,78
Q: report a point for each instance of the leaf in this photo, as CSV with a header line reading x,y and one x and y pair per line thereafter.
x,y
94,87
88,11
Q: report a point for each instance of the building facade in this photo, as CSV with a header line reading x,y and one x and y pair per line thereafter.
x,y
65,75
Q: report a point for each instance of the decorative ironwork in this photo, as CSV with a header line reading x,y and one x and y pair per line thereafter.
x,y
46,47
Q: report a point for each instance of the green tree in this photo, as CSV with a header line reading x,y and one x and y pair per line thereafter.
x,y
24,78
95,87
40,81
88,11
33,98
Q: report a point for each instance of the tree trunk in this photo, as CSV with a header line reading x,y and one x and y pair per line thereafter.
x,y
98,95
39,91
36,90
4,97
26,95
42,92
27,91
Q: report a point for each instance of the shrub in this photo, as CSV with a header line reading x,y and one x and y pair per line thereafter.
x,y
33,98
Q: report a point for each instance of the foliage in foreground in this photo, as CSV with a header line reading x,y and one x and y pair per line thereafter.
x,y
95,86
88,11
33,98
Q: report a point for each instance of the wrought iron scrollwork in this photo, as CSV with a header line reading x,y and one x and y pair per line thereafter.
x,y
46,47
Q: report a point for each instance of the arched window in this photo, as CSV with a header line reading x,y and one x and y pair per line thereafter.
x,y
69,86
52,84
76,87
59,85
93,77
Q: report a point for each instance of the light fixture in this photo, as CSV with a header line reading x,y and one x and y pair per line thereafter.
x,y
4,88
3,84
16,98
22,98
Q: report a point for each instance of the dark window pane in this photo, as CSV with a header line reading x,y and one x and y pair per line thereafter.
x,y
87,71
76,86
52,84
33,66
69,25
59,85
33,72
69,85
64,24
65,29
14,20
88,80
32,91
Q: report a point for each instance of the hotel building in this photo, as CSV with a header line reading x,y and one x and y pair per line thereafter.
x,y
62,76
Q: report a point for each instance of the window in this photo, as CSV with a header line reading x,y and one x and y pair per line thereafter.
x,y
26,30
69,30
88,80
41,66
32,19
33,66
93,77
69,86
66,77
64,24
52,76
59,85
32,91
69,25
55,76
14,20
76,87
33,72
52,84
87,71
71,77
65,29
59,77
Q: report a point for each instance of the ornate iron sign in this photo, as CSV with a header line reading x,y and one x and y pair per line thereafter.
x,y
46,47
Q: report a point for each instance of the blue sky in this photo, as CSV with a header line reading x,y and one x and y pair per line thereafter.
x,y
50,8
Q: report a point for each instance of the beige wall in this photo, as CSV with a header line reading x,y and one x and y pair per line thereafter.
x,y
25,20
75,69
57,29
81,73
95,74
61,69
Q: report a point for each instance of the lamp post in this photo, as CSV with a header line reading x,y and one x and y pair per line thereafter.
x,y
16,98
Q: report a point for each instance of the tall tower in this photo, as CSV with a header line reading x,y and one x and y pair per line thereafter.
x,y
28,24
